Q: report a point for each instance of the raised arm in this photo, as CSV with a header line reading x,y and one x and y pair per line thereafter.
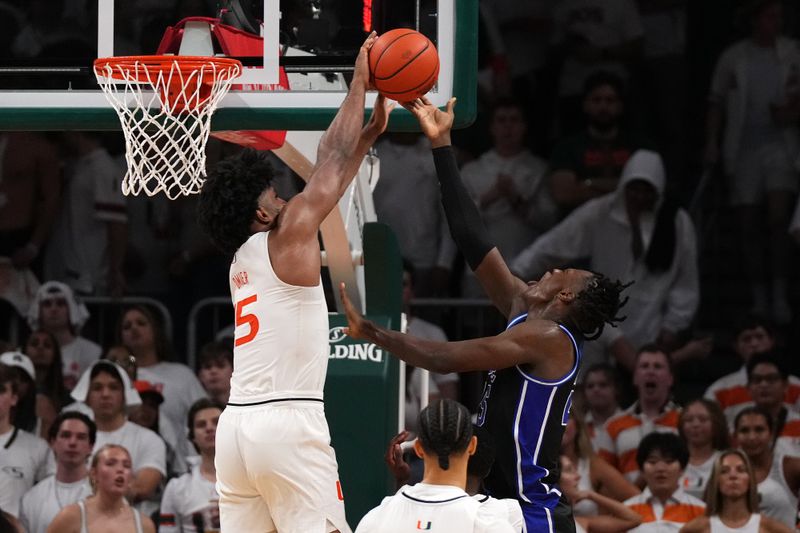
x,y
341,150
466,225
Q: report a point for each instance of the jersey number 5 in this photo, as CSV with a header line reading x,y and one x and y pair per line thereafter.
x,y
243,318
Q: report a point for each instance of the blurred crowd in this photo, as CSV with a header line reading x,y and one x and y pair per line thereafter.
x,y
655,141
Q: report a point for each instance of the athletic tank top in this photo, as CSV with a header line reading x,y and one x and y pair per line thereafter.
x,y
526,416
585,507
281,337
137,520
777,500
751,526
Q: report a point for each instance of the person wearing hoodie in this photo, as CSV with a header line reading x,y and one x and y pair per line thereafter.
x,y
633,234
509,185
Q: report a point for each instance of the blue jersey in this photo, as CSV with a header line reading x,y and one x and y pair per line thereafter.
x,y
526,417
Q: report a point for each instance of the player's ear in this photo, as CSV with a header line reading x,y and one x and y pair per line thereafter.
x,y
566,296
262,217
418,449
473,445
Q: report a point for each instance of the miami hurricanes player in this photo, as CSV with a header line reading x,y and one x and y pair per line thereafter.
x,y
275,467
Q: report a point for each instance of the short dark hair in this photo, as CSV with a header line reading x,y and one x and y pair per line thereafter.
x,y
107,367
214,351
229,198
753,321
597,305
652,347
55,427
757,411
602,78
199,405
444,429
669,445
480,463
767,358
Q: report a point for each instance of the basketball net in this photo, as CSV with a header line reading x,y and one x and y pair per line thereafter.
x,y
165,105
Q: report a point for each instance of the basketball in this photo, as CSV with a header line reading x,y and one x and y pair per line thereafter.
x,y
404,64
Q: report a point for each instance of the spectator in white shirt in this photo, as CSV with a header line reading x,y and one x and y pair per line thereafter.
x,y
104,388
72,437
703,428
56,310
191,503
143,334
214,369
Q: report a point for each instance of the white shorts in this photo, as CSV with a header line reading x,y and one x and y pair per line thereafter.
x,y
761,170
276,470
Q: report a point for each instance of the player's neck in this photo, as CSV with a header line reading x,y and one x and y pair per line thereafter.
x,y
70,473
473,485
110,423
455,475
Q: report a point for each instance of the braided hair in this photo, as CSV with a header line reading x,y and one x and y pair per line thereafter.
x,y
445,428
229,198
597,305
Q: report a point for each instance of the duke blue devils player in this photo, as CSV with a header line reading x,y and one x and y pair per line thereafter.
x,y
276,469
532,364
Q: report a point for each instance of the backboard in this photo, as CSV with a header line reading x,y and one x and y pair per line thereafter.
x,y
48,46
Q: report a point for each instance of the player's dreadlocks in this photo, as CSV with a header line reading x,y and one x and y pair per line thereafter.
x,y
445,428
229,198
597,305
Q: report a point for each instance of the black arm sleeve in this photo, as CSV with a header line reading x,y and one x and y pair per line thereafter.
x,y
466,225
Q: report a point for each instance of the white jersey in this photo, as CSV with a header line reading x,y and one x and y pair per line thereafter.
x,y
189,501
506,509
43,502
433,508
281,336
752,525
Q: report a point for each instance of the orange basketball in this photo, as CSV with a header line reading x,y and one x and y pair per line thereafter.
x,y
404,64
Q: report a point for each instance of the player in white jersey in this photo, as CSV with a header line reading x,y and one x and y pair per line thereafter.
x,y
732,500
439,503
281,336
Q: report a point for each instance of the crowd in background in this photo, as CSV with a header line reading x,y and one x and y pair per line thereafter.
x,y
655,141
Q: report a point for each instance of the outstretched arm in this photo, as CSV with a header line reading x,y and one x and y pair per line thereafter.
x,y
466,225
532,342
341,148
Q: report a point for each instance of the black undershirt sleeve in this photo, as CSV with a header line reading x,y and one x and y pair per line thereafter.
x,y
466,225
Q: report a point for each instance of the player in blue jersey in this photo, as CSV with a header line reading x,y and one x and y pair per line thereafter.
x,y
532,364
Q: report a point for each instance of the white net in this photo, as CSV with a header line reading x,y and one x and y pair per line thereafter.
x,y
165,105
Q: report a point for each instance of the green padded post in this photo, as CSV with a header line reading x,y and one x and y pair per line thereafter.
x,y
361,391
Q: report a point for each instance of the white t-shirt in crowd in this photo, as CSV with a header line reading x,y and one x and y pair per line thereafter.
x,y
76,357
695,477
188,499
42,503
8,498
179,386
25,458
434,508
